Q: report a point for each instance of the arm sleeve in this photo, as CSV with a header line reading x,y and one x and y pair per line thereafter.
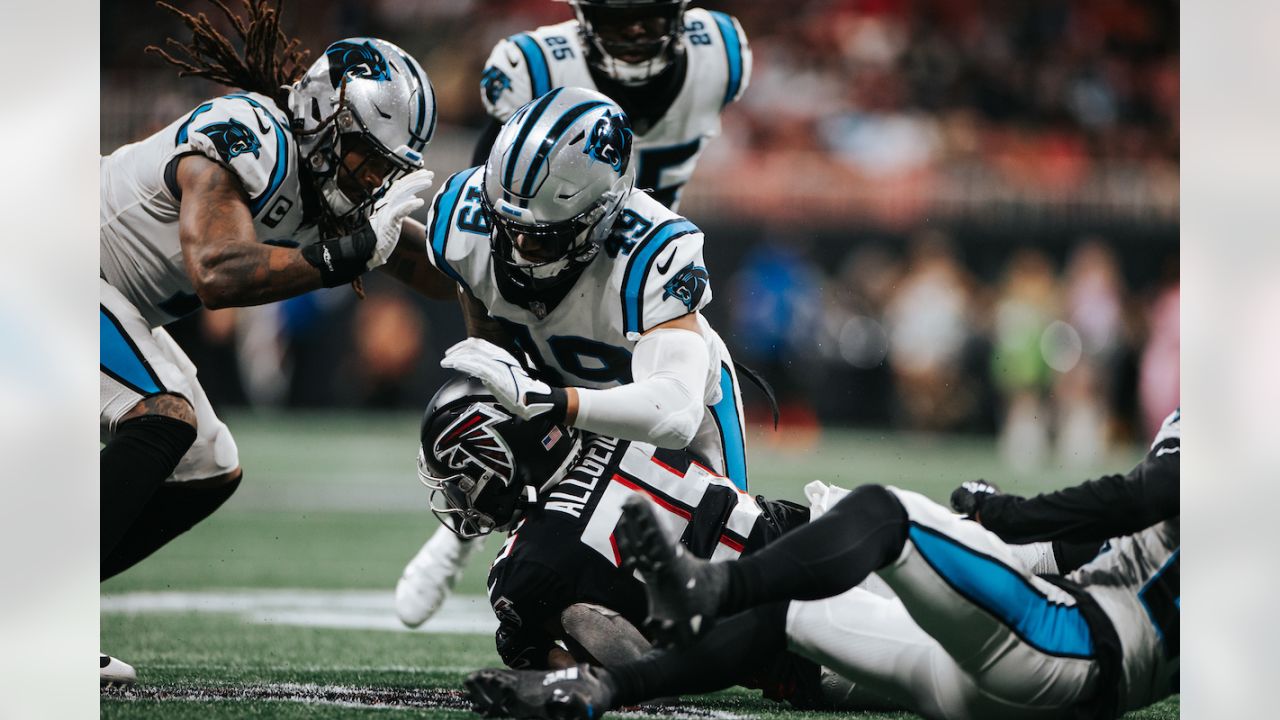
x,y
1095,511
665,403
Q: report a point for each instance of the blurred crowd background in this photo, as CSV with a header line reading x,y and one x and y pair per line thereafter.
x,y
924,215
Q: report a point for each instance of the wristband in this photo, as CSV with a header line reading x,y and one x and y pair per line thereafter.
x,y
343,259
559,399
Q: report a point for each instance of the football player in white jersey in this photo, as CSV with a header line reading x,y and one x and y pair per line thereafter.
x,y
672,70
300,181
599,285
970,634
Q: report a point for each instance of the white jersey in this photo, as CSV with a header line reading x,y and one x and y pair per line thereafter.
x,y
140,252
649,271
529,65
1136,582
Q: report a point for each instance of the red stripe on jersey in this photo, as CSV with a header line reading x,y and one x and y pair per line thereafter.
x,y
731,543
713,473
666,467
617,556
687,515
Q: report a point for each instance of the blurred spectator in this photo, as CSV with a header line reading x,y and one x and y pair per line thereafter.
x,y
929,324
1159,375
1026,307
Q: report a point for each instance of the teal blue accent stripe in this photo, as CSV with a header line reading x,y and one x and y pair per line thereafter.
x,y
118,356
638,269
422,109
733,54
182,131
446,205
281,169
539,75
732,440
1007,595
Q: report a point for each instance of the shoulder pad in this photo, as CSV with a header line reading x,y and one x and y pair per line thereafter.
x,y
664,278
737,54
245,134
515,73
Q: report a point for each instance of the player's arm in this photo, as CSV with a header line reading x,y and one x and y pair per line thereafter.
x,y
1091,512
482,325
665,402
227,265
410,265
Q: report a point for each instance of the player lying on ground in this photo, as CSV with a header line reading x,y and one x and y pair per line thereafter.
x,y
301,180
600,286
560,493
970,635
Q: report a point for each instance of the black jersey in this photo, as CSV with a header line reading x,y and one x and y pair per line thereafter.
x,y
562,551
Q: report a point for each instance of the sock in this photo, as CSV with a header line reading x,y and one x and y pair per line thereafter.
x,y
862,533
143,452
728,654
174,508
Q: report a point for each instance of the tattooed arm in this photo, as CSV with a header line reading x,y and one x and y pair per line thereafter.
x,y
409,264
227,265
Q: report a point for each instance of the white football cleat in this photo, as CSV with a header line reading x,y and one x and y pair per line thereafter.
x,y
115,672
430,576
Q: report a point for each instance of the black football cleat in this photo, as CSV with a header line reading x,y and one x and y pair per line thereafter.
x,y
684,591
575,693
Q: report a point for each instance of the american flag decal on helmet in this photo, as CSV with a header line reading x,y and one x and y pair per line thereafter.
x,y
473,440
552,437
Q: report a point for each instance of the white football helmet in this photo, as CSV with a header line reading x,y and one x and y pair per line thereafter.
x,y
363,94
631,41
557,176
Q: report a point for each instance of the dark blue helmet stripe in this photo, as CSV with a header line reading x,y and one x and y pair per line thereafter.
x,y
531,119
553,136
536,62
638,270
733,54
416,134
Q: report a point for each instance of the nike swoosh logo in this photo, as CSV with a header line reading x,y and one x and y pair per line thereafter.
x,y
513,59
1166,451
265,130
663,267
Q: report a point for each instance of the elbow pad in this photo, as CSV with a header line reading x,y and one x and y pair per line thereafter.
x,y
665,403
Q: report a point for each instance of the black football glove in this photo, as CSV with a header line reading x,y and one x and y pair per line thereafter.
x,y
968,498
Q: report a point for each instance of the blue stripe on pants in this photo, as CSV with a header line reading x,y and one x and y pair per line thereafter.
x,y
1007,595
118,357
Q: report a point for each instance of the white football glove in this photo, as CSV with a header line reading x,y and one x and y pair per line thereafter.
x,y
388,214
503,375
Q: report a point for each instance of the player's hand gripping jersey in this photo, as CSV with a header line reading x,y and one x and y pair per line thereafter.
x,y
562,552
713,71
140,252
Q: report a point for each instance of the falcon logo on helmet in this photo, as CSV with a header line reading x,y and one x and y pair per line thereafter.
x,y
360,60
232,138
473,440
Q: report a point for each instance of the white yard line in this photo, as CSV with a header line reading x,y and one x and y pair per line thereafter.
x,y
343,609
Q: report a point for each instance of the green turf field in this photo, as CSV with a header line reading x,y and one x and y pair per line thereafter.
x,y
280,605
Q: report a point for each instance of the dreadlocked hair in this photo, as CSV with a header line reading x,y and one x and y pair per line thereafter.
x,y
271,59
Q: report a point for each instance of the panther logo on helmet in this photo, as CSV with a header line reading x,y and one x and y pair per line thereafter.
x,y
357,60
232,138
610,141
473,440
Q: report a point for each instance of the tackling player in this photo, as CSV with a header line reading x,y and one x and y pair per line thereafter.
x,y
672,70
599,285
970,636
301,180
